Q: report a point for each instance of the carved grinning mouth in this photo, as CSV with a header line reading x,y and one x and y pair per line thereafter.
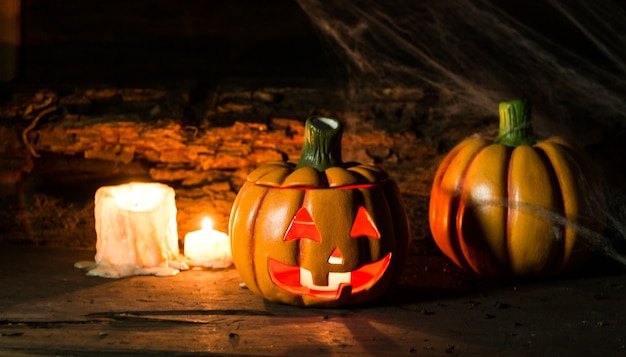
x,y
299,281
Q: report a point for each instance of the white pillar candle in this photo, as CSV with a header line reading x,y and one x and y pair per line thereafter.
x,y
208,247
136,230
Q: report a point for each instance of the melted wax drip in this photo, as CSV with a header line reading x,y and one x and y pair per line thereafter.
x,y
105,270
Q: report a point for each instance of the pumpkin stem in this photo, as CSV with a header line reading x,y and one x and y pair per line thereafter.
x,y
515,124
322,143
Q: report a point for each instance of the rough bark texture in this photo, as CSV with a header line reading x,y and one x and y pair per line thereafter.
x,y
60,147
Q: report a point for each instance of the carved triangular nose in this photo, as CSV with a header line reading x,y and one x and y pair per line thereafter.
x,y
335,257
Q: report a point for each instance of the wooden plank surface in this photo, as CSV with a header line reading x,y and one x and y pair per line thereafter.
x,y
49,307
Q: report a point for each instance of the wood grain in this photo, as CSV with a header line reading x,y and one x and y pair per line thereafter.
x,y
49,307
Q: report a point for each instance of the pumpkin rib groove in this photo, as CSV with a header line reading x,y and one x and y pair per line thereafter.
x,y
300,248
376,247
454,237
481,210
458,210
576,205
434,212
235,215
252,243
259,175
299,299
508,201
236,211
453,246
557,214
378,203
364,246
532,239
398,210
391,208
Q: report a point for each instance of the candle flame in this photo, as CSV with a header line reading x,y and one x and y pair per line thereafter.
x,y
207,224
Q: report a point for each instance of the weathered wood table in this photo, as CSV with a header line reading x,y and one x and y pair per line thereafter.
x,y
48,307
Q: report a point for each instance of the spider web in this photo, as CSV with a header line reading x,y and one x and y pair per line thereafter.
x,y
568,57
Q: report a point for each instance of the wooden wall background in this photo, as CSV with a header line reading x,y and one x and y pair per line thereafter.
x,y
197,95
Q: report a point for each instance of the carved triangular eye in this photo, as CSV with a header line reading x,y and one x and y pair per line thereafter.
x,y
302,226
364,225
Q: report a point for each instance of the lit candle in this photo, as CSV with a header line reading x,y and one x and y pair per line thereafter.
x,y
136,231
207,247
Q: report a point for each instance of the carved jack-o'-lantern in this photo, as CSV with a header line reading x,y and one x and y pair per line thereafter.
x,y
319,233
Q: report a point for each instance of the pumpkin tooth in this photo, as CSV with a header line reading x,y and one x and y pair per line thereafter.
x,y
334,280
298,280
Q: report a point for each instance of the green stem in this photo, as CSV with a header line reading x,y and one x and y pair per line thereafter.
x,y
515,124
322,143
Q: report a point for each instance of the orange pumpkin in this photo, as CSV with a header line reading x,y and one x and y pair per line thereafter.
x,y
515,206
322,232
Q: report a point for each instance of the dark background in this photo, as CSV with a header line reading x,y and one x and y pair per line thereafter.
x,y
128,41
133,41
